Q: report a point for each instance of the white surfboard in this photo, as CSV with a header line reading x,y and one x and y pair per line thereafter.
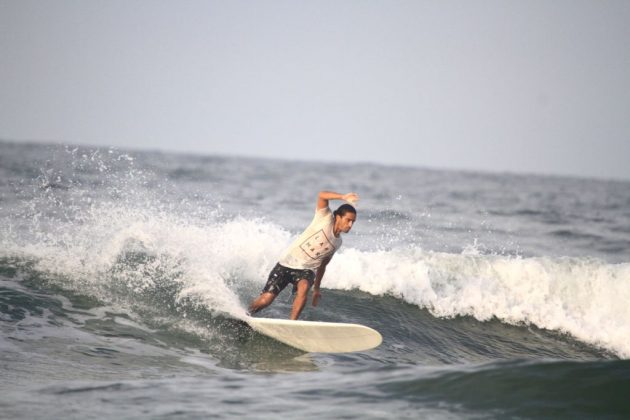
x,y
318,337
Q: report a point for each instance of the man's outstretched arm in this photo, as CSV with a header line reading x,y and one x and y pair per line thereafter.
x,y
325,196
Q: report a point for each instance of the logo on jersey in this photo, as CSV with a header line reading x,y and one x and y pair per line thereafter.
x,y
317,245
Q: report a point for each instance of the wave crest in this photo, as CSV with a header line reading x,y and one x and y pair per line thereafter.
x,y
586,298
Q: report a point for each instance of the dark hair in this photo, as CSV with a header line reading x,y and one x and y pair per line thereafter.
x,y
343,209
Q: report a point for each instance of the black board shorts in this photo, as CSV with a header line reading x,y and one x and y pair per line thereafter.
x,y
281,276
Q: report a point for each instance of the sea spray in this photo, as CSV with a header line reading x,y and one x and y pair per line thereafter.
x,y
209,264
96,223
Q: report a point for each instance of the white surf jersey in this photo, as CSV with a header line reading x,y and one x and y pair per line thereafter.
x,y
316,243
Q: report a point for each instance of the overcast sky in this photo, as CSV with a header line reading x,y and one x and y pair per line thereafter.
x,y
521,86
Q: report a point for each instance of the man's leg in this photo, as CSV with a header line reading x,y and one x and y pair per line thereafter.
x,y
300,298
261,302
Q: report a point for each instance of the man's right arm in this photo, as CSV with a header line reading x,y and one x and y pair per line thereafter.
x,y
325,196
318,280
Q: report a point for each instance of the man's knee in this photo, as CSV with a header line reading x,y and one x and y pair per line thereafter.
x,y
302,287
263,300
267,297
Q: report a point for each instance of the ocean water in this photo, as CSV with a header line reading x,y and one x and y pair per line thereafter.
x,y
123,275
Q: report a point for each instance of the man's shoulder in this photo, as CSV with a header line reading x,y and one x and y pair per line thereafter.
x,y
323,215
323,211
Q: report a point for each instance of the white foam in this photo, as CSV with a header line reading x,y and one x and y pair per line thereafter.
x,y
586,298
209,261
214,260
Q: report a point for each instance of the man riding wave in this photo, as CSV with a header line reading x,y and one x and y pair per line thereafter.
x,y
304,263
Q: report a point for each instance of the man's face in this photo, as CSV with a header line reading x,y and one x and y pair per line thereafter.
x,y
346,222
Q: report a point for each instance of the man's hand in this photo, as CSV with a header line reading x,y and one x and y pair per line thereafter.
x,y
316,296
351,198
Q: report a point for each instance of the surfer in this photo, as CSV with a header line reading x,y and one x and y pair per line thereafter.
x,y
304,263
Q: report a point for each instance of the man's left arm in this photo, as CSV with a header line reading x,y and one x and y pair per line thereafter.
x,y
318,280
325,196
